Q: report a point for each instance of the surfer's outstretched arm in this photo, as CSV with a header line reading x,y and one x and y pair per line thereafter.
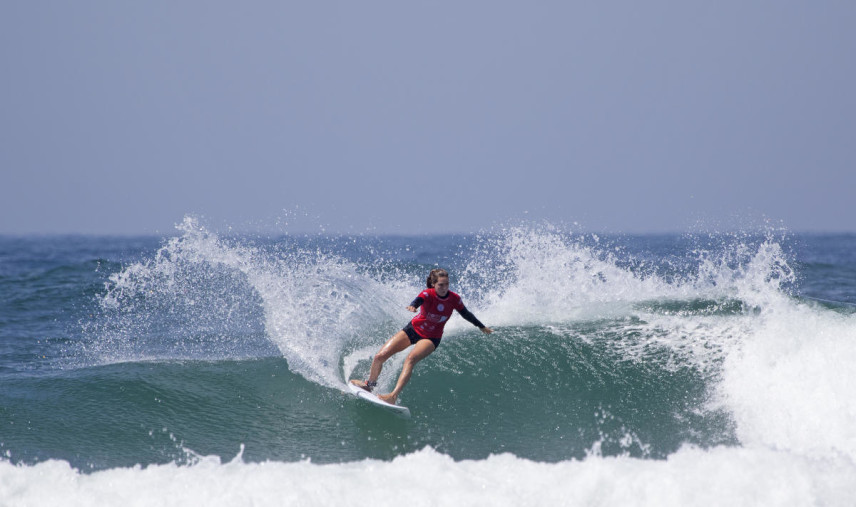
x,y
469,317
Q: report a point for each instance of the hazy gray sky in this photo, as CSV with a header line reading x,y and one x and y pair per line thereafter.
x,y
405,117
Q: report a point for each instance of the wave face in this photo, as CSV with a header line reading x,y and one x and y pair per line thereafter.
x,y
645,362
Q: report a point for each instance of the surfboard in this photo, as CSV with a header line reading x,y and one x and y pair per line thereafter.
x,y
371,398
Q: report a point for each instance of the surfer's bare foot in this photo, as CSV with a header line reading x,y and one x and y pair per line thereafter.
x,y
389,398
362,384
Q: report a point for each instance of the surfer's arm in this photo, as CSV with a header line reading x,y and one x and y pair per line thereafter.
x,y
469,317
416,303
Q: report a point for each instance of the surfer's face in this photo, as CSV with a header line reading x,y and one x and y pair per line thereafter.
x,y
441,286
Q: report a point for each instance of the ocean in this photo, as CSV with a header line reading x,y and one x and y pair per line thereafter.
x,y
204,368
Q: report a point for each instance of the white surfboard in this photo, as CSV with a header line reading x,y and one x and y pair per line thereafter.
x,y
371,398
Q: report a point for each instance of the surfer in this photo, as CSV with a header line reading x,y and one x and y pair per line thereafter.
x,y
424,331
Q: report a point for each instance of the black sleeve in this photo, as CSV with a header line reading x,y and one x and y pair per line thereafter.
x,y
416,303
469,317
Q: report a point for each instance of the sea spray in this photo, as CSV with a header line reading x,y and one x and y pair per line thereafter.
x,y
205,297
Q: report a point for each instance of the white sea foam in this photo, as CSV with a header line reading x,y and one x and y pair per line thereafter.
x,y
790,383
690,476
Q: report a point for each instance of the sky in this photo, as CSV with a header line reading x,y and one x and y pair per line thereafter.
x,y
426,118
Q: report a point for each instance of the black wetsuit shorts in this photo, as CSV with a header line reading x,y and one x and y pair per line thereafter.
x,y
414,336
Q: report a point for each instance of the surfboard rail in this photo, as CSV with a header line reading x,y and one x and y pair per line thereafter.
x,y
373,399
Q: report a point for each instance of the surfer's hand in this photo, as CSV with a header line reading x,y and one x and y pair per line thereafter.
x,y
486,330
412,309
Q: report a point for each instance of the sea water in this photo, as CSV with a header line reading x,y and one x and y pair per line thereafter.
x,y
208,369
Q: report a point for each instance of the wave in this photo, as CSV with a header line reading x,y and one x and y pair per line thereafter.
x,y
722,310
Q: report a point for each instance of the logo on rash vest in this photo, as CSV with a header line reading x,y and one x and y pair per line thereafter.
x,y
440,307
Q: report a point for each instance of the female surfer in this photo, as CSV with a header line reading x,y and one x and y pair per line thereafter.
x,y
425,331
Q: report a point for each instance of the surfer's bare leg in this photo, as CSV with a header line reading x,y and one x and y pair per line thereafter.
x,y
421,350
394,345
